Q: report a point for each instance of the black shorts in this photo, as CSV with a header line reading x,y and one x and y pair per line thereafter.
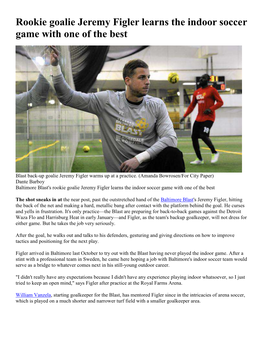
x,y
169,160
201,129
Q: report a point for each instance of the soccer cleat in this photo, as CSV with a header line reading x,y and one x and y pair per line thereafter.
x,y
197,162
215,158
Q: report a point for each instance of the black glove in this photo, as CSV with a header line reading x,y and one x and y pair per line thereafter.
x,y
182,120
207,111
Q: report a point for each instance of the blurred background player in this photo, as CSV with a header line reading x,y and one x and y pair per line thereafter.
x,y
208,100
136,129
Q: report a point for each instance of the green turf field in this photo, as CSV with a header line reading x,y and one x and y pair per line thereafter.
x,y
230,160
42,156
93,161
47,156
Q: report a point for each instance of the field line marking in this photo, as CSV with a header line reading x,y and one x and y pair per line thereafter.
x,y
35,150
89,156
224,151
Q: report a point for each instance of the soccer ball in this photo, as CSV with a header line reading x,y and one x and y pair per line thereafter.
x,y
86,149
173,77
30,143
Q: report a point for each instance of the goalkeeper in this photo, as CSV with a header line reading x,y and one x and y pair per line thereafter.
x,y
208,100
137,132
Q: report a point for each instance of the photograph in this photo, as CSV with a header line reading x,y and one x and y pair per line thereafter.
x,y
150,109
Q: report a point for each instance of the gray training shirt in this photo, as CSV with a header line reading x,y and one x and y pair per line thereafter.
x,y
126,129
36,96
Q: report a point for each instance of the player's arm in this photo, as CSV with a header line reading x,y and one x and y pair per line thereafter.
x,y
69,97
167,138
35,96
190,108
132,164
165,132
218,100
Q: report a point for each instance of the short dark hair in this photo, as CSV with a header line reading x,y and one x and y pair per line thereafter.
x,y
129,68
206,74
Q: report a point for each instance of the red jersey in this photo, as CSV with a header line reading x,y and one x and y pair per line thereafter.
x,y
206,98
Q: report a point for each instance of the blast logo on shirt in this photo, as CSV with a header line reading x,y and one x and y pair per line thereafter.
x,y
142,124
130,128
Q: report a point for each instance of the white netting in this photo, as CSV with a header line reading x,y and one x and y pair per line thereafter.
x,y
47,133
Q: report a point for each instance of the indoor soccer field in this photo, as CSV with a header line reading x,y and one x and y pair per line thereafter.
x,y
53,154
229,147
42,156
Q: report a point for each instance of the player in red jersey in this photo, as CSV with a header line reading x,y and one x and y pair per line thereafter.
x,y
208,100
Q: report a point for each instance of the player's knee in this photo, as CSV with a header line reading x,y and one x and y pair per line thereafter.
x,y
172,159
204,136
168,151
